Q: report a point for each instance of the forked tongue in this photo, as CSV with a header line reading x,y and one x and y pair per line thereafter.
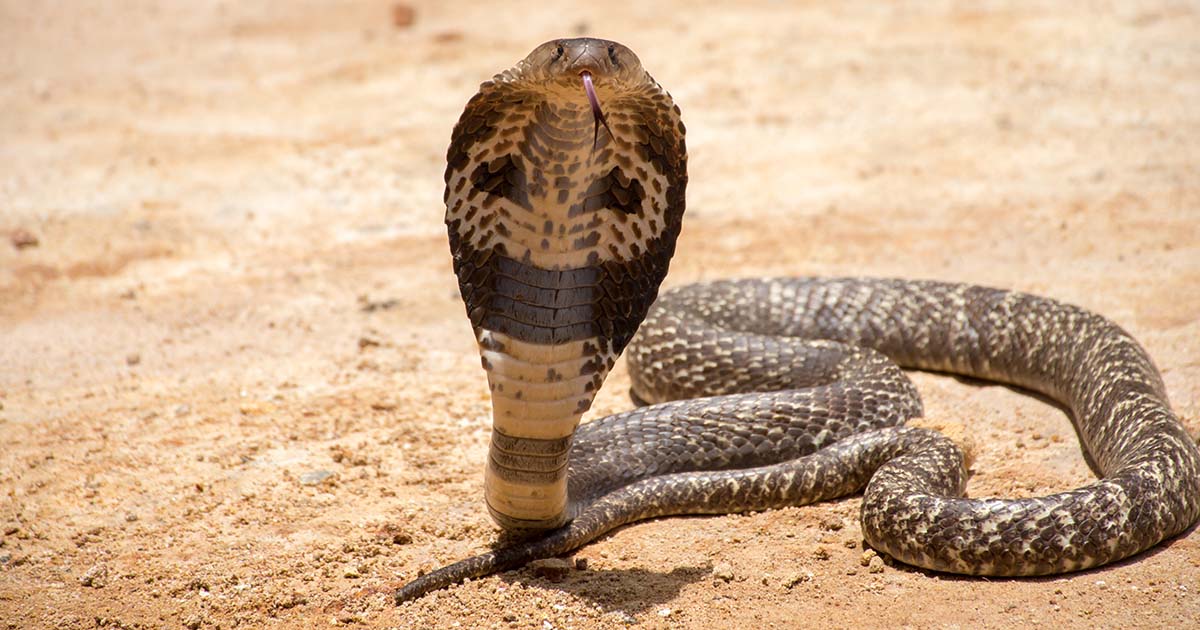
x,y
597,114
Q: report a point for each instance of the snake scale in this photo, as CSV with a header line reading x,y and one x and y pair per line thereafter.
x,y
564,196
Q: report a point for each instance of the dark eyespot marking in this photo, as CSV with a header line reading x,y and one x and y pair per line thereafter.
x,y
558,52
614,191
502,177
612,55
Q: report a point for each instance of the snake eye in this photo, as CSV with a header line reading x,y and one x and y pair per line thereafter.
x,y
612,54
558,52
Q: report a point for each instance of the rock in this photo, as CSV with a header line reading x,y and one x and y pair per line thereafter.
x,y
255,408
581,564
315,477
550,568
620,616
95,577
867,556
22,238
723,571
345,618
799,577
288,601
391,532
403,15
831,523
821,553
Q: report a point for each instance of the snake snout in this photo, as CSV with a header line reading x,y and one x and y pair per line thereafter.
x,y
586,54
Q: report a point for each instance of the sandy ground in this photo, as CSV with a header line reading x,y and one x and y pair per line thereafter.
x,y
238,389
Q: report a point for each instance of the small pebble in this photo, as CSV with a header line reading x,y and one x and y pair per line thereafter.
x,y
315,477
581,564
723,571
95,577
831,523
623,617
550,568
798,577
22,238
403,15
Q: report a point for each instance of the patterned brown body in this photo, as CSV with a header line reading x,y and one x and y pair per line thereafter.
x,y
560,237
784,392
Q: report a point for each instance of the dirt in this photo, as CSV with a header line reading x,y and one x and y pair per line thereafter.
x,y
238,389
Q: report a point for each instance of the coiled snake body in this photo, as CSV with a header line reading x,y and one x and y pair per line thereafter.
x,y
767,392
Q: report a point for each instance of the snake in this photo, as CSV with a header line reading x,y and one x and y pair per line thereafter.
x,y
565,194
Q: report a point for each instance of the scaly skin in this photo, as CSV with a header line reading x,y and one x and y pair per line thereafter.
x,y
768,392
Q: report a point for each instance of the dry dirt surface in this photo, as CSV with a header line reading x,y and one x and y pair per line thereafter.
x,y
238,388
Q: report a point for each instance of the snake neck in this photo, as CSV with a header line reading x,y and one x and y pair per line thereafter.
x,y
560,239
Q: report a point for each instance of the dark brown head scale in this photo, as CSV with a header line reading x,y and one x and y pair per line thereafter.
x,y
560,62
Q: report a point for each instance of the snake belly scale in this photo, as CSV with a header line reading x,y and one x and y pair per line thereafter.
x,y
761,392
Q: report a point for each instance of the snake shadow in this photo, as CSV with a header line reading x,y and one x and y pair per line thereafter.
x,y
633,590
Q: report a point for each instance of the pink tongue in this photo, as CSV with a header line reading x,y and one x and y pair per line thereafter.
x,y
597,113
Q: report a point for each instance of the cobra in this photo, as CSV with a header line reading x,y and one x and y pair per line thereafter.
x,y
763,392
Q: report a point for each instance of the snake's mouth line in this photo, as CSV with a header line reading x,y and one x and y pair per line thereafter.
x,y
598,116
